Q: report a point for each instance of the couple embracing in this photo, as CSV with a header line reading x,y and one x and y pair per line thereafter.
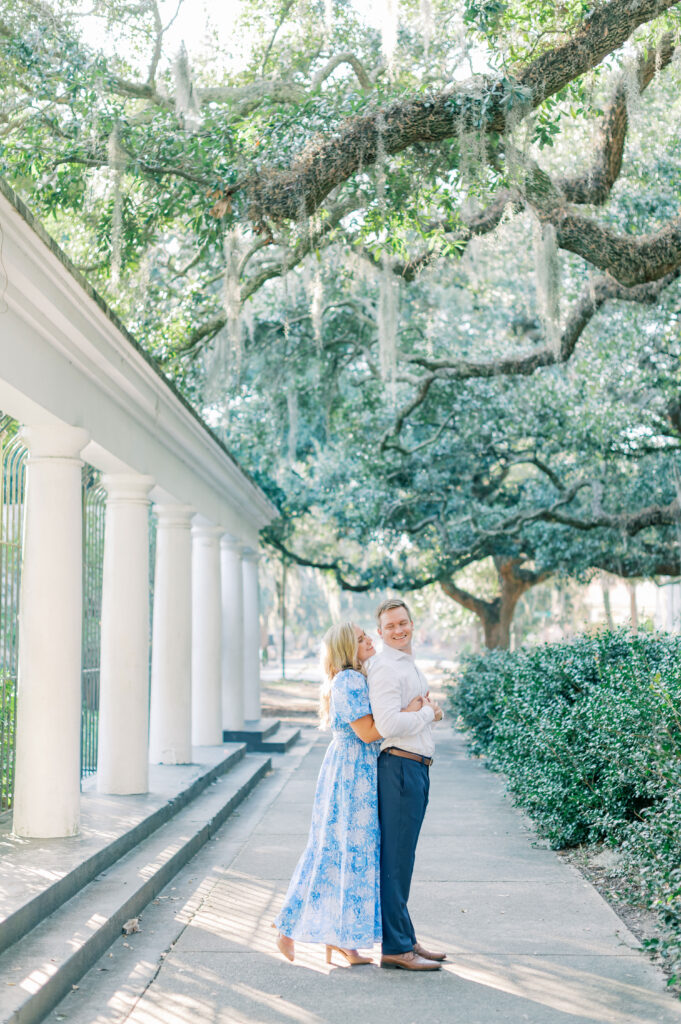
x,y
351,885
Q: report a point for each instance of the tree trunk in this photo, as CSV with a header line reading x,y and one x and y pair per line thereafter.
x,y
633,607
497,634
283,618
496,615
605,589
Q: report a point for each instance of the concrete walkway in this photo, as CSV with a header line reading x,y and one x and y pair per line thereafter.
x,y
528,939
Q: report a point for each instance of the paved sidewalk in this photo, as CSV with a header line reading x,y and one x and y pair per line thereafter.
x,y
528,939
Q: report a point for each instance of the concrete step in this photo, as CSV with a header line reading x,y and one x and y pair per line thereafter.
x,y
280,741
266,736
38,876
43,966
253,733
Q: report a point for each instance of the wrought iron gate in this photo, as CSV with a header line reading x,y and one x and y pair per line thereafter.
x,y
12,482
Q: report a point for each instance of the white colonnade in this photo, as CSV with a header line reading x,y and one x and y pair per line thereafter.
x,y
204,645
87,393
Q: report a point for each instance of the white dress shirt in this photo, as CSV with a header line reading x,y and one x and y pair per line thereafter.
x,y
394,680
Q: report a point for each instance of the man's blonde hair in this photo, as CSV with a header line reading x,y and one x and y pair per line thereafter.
x,y
388,605
339,651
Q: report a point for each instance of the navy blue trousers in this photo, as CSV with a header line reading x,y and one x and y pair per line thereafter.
x,y
402,800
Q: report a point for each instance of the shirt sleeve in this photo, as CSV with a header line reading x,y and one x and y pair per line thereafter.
x,y
351,696
386,701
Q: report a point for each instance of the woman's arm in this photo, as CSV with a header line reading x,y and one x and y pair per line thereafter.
x,y
366,729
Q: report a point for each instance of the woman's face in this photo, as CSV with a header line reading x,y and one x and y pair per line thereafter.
x,y
365,645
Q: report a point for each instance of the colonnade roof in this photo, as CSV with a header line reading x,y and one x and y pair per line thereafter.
x,y
66,357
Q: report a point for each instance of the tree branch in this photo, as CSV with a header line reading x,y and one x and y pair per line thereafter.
x,y
245,98
591,300
286,8
334,62
294,256
158,43
630,523
469,601
511,526
594,186
92,161
312,563
631,260
279,195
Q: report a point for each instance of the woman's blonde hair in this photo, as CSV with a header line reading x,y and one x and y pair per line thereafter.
x,y
339,651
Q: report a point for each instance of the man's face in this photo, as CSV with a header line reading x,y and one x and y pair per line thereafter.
x,y
396,629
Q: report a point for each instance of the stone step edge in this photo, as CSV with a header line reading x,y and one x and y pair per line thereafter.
x,y
38,1004
21,921
252,733
281,742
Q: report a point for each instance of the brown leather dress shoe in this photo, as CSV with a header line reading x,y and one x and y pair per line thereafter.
x,y
427,955
409,961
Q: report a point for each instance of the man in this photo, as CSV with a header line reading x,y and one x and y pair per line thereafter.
x,y
403,782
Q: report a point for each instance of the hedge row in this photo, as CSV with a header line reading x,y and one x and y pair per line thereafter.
x,y
588,734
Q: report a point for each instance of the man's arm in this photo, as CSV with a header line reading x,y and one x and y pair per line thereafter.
x,y
386,700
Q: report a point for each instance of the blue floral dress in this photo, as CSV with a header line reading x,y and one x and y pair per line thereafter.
x,y
334,894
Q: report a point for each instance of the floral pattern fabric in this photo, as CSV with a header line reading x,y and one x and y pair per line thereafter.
x,y
334,894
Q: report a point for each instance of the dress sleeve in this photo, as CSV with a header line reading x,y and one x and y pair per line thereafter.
x,y
350,696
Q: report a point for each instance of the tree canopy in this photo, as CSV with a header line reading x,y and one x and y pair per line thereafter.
x,y
423,280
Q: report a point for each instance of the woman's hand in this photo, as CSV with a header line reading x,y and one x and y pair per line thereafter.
x,y
415,704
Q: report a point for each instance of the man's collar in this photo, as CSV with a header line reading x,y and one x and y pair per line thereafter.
x,y
394,653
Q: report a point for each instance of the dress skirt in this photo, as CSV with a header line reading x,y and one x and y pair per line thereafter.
x,y
334,894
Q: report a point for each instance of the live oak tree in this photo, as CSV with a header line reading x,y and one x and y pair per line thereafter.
x,y
544,476
180,171
207,196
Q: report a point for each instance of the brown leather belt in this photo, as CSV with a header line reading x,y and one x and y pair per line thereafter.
x,y
398,752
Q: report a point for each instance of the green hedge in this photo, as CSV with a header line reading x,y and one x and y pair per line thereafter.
x,y
8,697
588,734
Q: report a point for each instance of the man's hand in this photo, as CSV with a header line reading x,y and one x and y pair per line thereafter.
x,y
439,713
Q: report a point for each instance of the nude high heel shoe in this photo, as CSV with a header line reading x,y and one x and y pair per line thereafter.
x,y
351,955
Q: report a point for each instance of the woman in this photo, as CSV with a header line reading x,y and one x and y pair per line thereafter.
x,y
334,895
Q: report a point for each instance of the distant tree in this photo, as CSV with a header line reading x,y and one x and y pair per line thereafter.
x,y
554,474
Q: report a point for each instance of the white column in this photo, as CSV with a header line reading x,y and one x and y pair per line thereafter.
x,y
232,634
206,636
251,637
170,731
47,789
123,759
